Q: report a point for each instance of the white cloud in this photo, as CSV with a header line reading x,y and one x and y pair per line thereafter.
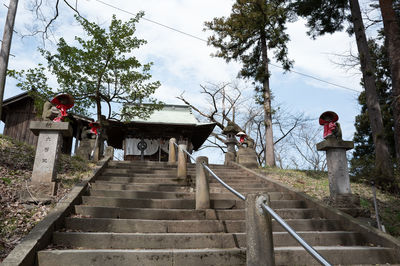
x,y
181,63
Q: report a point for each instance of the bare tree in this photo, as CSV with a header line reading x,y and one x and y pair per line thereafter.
x,y
46,13
304,141
227,103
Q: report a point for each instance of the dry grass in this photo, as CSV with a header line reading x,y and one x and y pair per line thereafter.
x,y
316,185
16,163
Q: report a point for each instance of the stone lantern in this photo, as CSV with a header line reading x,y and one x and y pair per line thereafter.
x,y
230,131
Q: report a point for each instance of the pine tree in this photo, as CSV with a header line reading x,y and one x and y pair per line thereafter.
x,y
254,28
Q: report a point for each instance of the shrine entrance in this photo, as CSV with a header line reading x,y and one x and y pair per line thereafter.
x,y
147,139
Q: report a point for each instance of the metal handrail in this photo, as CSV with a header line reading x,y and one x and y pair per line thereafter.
x,y
298,238
268,209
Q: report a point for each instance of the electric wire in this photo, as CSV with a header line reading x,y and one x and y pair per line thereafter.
x,y
152,21
204,40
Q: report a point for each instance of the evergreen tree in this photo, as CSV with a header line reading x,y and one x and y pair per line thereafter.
x,y
328,17
362,163
254,28
390,15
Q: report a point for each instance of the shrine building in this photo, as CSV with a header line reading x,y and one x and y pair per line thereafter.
x,y
148,139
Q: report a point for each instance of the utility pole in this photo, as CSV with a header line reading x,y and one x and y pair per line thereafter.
x,y
5,47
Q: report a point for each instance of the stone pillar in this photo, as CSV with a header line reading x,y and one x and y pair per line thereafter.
x,y
202,187
85,148
260,246
109,152
247,157
98,147
230,155
172,151
182,169
47,151
338,173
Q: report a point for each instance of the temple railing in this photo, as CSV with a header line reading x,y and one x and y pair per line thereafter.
x,y
258,211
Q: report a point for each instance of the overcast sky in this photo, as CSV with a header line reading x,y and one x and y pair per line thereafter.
x,y
182,63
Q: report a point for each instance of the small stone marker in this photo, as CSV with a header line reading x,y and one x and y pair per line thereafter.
x,y
48,148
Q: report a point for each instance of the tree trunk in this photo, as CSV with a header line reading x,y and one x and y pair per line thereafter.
x,y
98,107
6,46
269,139
392,42
383,160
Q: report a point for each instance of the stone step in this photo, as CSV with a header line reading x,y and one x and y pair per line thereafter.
x,y
150,174
153,180
125,200
336,255
143,168
139,163
161,170
214,188
144,171
101,184
125,192
188,226
172,171
240,181
225,172
200,257
103,240
183,214
158,203
164,165
245,190
242,184
160,257
173,176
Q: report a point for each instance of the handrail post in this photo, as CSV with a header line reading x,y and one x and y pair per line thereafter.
x,y
172,151
260,246
182,170
202,187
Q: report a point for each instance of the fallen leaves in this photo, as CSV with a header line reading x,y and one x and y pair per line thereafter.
x,y
17,218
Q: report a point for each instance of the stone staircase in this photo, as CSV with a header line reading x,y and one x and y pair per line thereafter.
x,y
138,213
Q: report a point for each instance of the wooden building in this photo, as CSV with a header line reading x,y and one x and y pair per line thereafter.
x,y
19,111
172,121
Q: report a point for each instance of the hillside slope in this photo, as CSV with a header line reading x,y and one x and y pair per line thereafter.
x,y
316,185
16,163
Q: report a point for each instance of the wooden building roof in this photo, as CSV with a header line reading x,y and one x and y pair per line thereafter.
x,y
171,121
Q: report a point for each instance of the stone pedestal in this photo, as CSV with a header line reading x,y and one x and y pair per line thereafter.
x,y
182,160
42,183
85,148
109,152
338,173
202,186
247,157
259,237
230,155
172,151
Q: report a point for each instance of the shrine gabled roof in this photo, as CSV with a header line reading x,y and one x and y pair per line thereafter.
x,y
171,114
171,121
